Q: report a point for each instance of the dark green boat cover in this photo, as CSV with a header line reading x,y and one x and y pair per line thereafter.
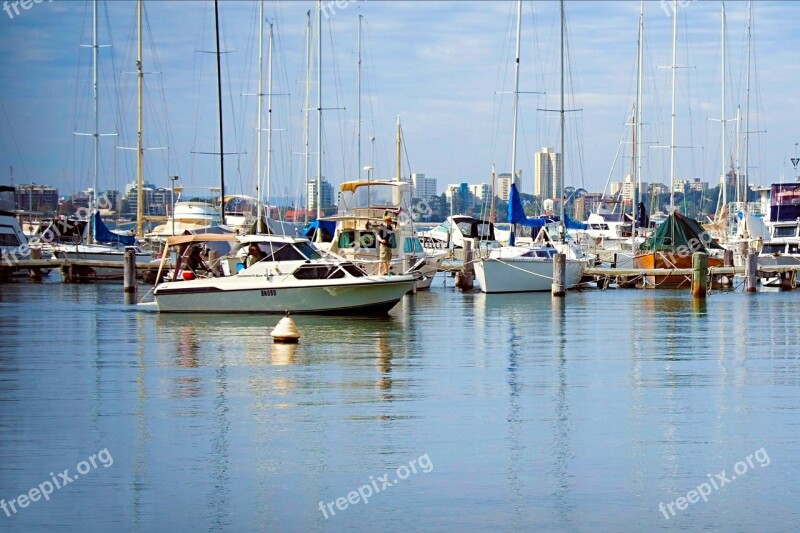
x,y
679,231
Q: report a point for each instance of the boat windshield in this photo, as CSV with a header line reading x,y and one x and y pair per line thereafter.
x,y
379,195
308,250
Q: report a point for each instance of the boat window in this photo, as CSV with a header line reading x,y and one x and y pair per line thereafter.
x,y
793,248
281,252
9,239
367,240
307,250
785,231
318,272
347,239
353,270
412,245
772,248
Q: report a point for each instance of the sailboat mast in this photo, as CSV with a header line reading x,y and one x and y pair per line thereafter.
x,y
219,108
259,191
742,186
269,120
358,99
139,147
399,150
561,126
639,105
96,133
672,134
491,205
724,121
319,112
516,95
306,110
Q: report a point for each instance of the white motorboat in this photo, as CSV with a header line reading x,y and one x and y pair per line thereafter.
x,y
292,276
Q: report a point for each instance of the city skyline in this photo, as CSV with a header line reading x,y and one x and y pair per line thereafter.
x,y
448,82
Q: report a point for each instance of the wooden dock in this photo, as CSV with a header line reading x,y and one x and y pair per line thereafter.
x,y
76,270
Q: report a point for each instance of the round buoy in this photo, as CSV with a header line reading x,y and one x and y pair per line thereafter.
x,y
285,331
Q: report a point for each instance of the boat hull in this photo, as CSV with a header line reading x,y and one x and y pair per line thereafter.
x,y
665,259
220,295
523,274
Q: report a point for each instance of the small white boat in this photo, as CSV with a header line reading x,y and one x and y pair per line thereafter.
x,y
292,276
524,269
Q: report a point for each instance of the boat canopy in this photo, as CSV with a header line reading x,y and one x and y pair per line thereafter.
x,y
680,231
351,186
203,237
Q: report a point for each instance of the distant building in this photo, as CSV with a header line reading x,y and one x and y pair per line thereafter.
x,y
422,187
548,173
504,185
481,193
459,192
313,196
33,197
697,185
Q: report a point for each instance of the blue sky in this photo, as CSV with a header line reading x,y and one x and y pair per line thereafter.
x,y
443,67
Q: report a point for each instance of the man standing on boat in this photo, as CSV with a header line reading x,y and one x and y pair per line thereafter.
x,y
386,239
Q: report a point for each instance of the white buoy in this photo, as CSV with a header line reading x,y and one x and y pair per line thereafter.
x,y
285,331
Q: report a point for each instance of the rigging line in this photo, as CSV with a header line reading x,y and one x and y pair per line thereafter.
x,y
167,132
14,140
339,98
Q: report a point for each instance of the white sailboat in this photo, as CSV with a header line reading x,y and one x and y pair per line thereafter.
x,y
527,268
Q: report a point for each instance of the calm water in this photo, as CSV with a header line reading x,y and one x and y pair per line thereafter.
x,y
518,414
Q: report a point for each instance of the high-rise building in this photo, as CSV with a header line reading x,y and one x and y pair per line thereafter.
x,y
548,173
327,194
422,187
33,197
504,185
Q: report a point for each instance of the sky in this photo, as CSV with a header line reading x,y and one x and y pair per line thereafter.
x,y
445,68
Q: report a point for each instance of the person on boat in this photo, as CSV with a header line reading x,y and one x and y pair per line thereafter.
x,y
386,239
195,261
254,255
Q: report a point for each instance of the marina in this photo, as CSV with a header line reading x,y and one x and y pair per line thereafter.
x,y
399,266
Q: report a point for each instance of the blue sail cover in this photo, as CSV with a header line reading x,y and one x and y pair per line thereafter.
x,y
574,224
516,214
104,235
327,226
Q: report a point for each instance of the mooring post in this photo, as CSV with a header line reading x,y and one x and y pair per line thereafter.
x,y
35,273
752,271
788,280
727,256
129,284
699,274
466,277
559,288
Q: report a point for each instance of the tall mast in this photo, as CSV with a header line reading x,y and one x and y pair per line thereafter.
x,y
139,148
319,112
639,105
560,179
516,95
219,107
307,108
724,120
672,134
399,150
259,191
96,133
742,186
358,100
269,120
491,205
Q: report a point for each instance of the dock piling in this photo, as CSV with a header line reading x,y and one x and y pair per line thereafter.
x,y
129,276
35,274
752,272
558,288
466,277
699,274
